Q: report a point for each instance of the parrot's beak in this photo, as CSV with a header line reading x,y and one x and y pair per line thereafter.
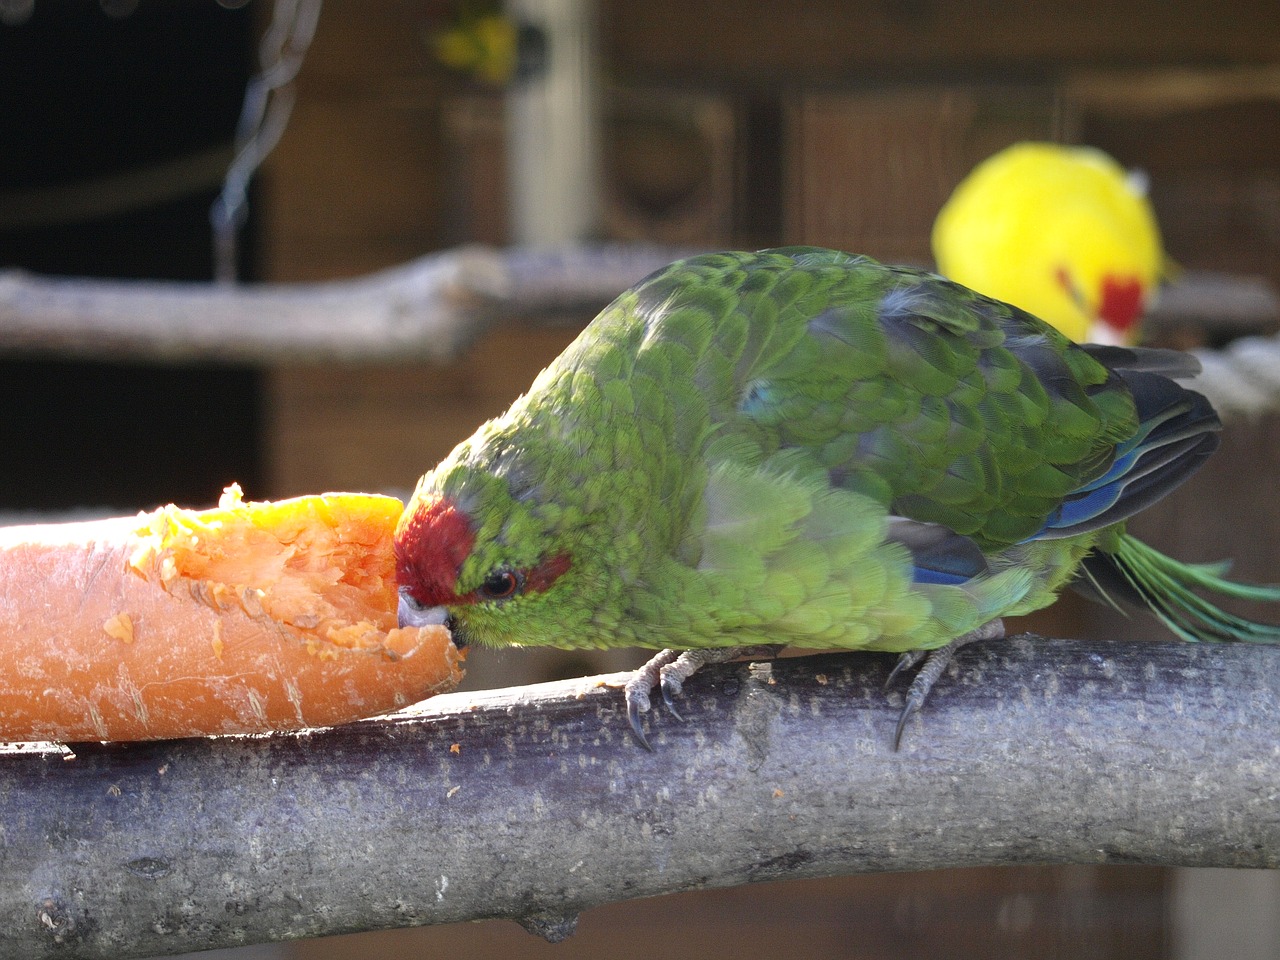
x,y
413,614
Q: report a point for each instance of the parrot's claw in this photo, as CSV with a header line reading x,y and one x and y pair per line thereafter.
x,y
935,661
636,707
672,687
669,670
912,705
636,692
905,662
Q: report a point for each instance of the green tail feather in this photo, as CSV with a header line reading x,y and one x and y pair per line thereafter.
x,y
1167,587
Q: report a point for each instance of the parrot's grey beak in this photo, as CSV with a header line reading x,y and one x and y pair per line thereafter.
x,y
413,614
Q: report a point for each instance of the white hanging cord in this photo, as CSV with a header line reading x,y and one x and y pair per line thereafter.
x,y
268,99
1242,380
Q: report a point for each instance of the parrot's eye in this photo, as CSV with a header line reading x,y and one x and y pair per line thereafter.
x,y
501,584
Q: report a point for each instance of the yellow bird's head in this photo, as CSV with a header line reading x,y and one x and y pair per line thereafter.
x,y
1063,232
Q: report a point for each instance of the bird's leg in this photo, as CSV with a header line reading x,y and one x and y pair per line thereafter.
x,y
670,669
935,661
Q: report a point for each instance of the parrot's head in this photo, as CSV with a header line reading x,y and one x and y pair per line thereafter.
x,y
497,565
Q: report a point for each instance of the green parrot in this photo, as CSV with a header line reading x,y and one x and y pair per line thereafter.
x,y
802,446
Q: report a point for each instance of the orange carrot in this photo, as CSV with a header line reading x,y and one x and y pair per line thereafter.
x,y
242,619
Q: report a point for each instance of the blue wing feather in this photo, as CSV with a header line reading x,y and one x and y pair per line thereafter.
x,y
1178,429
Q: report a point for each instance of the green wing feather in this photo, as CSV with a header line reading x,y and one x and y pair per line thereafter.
x,y
841,394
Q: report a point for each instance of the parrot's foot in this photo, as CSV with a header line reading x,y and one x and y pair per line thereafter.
x,y
669,669
935,661
636,691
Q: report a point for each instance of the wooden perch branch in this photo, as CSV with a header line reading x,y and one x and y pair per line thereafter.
x,y
429,308
533,803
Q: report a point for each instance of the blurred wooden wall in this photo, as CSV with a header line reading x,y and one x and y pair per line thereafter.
x,y
835,123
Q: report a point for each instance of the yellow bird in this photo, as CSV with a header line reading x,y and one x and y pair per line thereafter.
x,y
1064,232
485,46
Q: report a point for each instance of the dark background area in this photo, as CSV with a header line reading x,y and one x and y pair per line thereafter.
x,y
86,97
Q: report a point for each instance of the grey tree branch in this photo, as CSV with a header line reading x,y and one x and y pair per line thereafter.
x,y
533,803
429,308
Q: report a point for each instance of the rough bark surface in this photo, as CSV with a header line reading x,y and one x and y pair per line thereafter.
x,y
534,803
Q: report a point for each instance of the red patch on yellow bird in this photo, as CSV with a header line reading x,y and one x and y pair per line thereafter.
x,y
1122,302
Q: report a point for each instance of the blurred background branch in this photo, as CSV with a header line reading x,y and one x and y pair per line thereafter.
x,y
430,308
436,306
